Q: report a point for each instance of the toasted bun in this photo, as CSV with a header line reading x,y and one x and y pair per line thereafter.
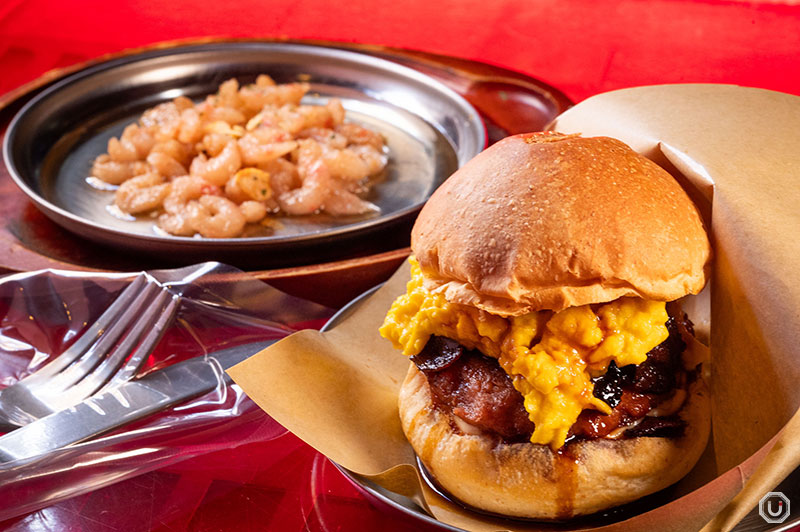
x,y
552,221
530,480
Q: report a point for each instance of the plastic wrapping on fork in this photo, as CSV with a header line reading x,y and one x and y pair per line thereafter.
x,y
43,313
108,352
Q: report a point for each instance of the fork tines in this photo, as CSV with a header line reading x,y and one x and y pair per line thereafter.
x,y
112,349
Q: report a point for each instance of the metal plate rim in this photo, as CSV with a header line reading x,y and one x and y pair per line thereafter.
x,y
155,242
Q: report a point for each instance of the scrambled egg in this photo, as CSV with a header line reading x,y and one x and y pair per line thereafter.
x,y
551,357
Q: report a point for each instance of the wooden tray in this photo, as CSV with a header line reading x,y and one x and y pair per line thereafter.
x,y
509,103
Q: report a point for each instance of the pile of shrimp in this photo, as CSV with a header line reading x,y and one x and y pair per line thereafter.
x,y
237,157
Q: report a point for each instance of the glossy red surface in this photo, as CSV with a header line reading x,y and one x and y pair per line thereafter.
x,y
583,47
278,485
580,46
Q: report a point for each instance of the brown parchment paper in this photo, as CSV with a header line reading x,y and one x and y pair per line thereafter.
x,y
740,148
737,151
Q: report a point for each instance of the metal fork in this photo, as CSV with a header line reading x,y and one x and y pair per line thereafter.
x,y
109,352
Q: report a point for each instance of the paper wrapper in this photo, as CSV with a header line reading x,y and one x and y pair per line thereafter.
x,y
737,151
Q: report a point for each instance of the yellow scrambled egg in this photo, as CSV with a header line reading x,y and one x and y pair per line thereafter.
x,y
551,357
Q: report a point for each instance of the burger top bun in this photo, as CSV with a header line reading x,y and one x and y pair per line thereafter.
x,y
549,221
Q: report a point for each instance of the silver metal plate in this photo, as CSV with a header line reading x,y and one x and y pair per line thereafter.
x,y
51,143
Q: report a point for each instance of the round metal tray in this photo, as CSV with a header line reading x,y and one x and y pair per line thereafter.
x,y
52,141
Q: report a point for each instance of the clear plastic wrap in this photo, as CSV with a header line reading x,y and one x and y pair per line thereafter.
x,y
42,313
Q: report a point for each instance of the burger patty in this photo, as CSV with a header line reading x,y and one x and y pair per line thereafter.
x,y
472,386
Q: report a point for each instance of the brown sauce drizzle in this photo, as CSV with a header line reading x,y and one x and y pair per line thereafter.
x,y
565,465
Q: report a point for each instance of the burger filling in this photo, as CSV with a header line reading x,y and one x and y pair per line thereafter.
x,y
611,370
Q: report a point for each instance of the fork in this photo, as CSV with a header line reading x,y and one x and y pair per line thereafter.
x,y
109,352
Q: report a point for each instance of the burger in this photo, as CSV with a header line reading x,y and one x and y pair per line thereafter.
x,y
552,369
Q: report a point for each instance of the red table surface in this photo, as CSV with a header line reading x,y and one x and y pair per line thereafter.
x,y
582,47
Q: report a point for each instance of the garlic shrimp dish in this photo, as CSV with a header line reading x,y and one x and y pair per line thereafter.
x,y
232,163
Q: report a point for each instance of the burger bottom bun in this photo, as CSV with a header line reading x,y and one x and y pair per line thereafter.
x,y
530,480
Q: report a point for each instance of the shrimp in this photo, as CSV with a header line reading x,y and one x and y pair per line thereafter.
x,y
346,164
253,211
283,175
122,151
175,224
317,182
264,80
219,169
336,110
256,97
256,145
375,159
229,115
295,119
191,128
340,202
234,192
132,145
325,136
141,193
316,116
178,151
162,121
114,172
360,135
285,117
228,94
215,217
183,189
139,137
213,143
165,165
182,103
255,150
186,188
311,195
354,163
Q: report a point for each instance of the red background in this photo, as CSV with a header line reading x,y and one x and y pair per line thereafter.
x,y
581,46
